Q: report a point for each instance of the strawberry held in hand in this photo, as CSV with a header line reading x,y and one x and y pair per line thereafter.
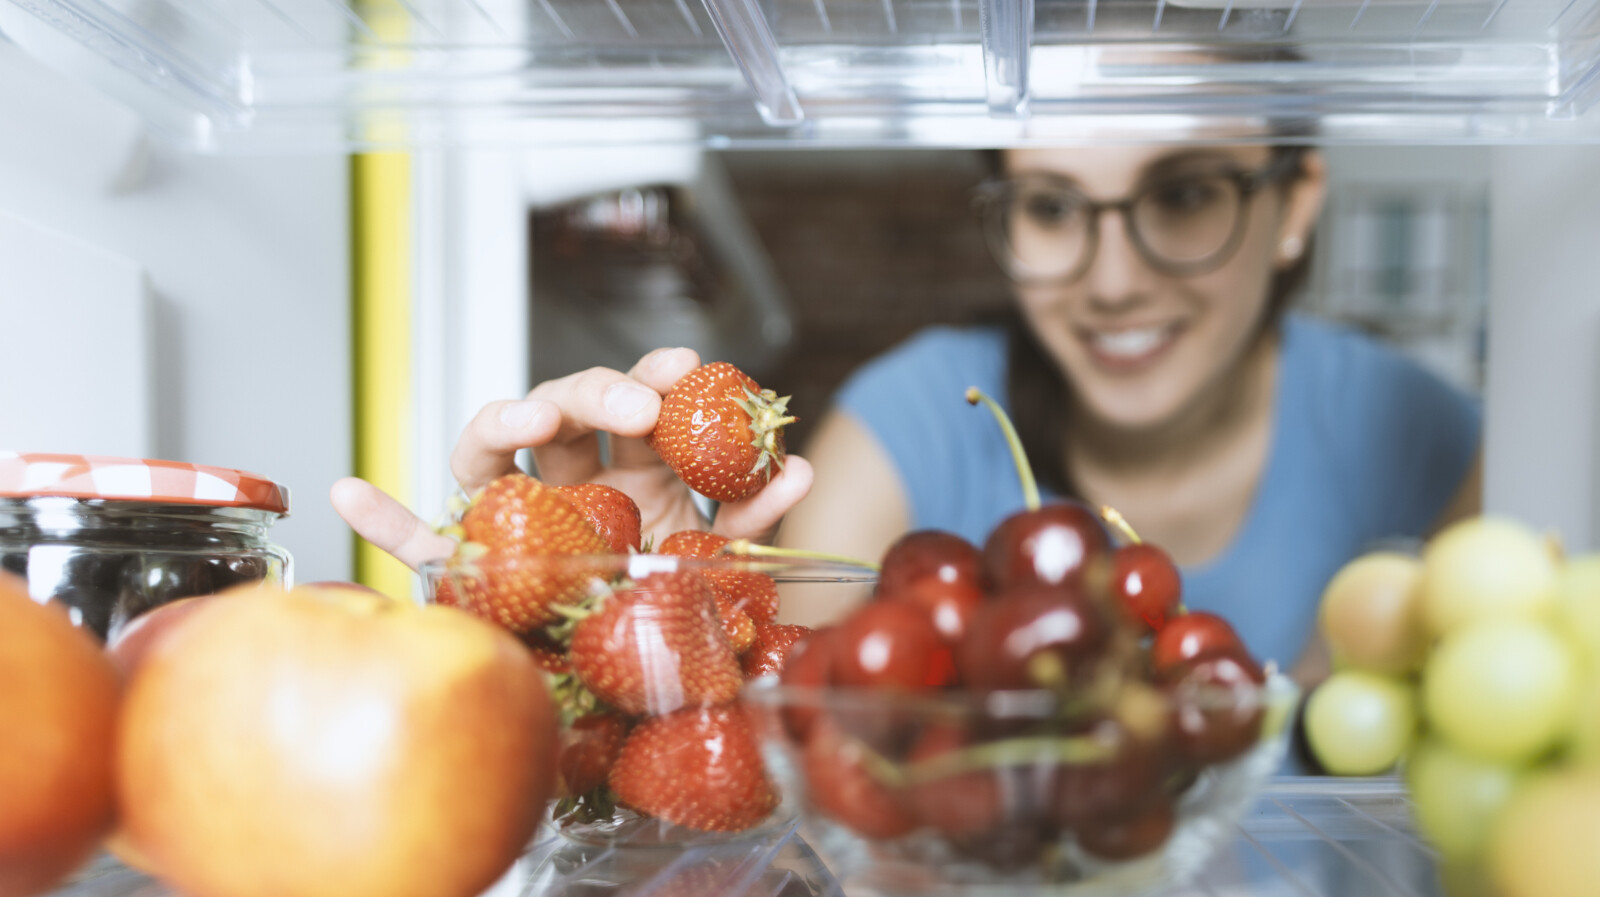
x,y
720,432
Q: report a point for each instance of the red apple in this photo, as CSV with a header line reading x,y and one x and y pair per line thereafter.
x,y
128,645
324,742
58,713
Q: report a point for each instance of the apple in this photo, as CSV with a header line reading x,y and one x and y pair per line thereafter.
x,y
323,742
58,718
1371,614
127,645
1360,723
1485,567
1546,842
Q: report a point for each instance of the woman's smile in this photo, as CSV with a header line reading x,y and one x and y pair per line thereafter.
x,y
1129,349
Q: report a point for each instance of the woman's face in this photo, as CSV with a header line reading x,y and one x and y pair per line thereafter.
x,y
1141,345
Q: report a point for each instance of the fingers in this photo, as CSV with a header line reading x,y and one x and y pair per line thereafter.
x,y
488,446
756,518
387,523
601,399
658,370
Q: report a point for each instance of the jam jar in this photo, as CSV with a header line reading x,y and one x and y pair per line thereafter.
x,y
110,538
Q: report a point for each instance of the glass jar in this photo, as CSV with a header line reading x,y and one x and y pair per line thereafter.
x,y
111,538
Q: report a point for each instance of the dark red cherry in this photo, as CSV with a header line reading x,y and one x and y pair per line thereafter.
x,y
1217,707
809,665
1032,637
919,554
1053,545
1118,787
951,605
891,644
1146,582
1190,636
1133,838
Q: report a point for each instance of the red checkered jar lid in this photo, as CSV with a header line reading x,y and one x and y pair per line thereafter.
x,y
136,479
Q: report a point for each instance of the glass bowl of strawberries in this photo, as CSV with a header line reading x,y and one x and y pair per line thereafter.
x,y
646,655
1034,716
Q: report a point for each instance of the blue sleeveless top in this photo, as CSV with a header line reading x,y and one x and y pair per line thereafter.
x,y
1367,446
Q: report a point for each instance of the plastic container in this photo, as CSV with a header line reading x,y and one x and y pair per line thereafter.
x,y
111,538
644,659
970,793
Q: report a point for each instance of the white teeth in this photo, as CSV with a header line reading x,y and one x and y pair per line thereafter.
x,y
1129,343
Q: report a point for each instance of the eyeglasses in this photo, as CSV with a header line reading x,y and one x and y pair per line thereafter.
x,y
1044,230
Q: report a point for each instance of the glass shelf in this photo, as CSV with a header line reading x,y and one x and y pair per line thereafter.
x,y
314,74
1305,837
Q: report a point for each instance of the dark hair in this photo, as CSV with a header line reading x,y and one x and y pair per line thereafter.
x,y
1038,388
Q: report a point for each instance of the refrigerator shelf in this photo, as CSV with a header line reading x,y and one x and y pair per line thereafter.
x,y
1304,837
317,74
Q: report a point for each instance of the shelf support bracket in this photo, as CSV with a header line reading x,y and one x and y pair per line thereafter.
x,y
744,31
1007,30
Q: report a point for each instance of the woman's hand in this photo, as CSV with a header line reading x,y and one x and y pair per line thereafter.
x,y
560,420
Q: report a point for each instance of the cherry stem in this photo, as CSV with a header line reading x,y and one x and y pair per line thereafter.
x,y
1071,750
1030,488
1120,523
747,548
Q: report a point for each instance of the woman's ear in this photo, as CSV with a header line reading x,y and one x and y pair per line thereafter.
x,y
1303,198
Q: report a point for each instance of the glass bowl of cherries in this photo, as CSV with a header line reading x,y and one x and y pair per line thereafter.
x,y
1037,715
987,727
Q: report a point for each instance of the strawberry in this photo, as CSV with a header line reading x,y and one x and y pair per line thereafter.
x,y
501,570
548,653
757,593
698,767
589,748
517,514
720,432
841,784
736,624
610,511
656,646
771,648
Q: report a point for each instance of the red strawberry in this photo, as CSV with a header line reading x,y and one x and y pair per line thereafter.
x,y
755,592
501,571
771,648
589,748
656,646
517,514
840,784
549,654
720,432
736,624
610,511
699,767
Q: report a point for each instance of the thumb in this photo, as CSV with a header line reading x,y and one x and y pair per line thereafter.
x,y
757,517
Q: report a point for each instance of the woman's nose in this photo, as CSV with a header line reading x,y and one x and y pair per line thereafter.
x,y
1117,273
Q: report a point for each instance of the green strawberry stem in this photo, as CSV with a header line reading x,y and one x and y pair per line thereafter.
x,y
747,548
1119,523
1030,487
768,416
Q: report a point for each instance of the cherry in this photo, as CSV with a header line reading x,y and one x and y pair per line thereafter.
x,y
809,665
1188,637
1115,789
840,785
1217,707
891,644
1146,583
1134,838
1055,544
1032,637
930,552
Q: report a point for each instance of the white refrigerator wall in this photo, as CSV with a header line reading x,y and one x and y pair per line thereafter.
x,y
246,273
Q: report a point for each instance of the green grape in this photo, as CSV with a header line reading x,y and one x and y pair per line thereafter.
x,y
1578,603
1359,723
1485,567
1546,841
1501,689
1370,614
1457,796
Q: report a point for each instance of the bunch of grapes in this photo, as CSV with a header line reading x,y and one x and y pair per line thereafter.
x,y
1475,669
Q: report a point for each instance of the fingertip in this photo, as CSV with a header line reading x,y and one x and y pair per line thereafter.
x,y
660,369
528,419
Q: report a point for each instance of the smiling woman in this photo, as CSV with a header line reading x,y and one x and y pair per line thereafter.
x,y
1150,364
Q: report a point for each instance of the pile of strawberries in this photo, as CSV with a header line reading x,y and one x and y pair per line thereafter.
x,y
1040,701
646,659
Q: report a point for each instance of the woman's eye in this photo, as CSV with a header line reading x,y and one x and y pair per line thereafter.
x,y
1188,196
1047,209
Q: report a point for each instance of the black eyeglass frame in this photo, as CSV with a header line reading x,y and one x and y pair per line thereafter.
x,y
989,200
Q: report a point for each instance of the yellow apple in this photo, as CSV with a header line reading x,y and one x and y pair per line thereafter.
x,y
1371,614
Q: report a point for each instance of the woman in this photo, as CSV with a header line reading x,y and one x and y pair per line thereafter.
x,y
1151,368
